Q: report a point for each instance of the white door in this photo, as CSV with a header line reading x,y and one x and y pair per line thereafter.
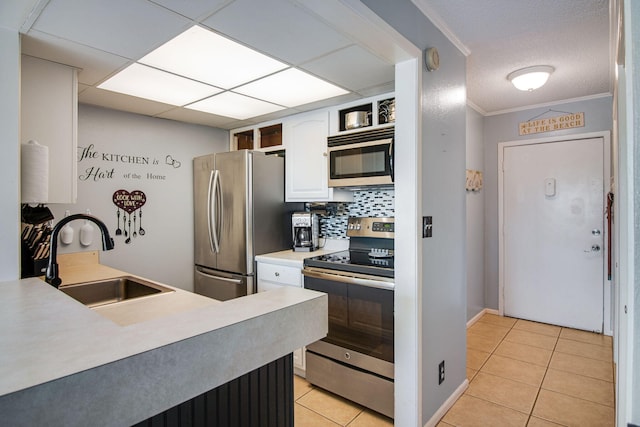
x,y
553,224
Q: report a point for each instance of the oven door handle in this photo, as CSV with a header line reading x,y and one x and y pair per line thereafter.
x,y
351,280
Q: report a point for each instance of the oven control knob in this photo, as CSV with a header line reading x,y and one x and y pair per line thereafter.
x,y
347,355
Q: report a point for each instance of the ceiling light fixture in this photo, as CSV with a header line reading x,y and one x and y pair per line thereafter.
x,y
234,105
157,85
290,88
205,71
530,78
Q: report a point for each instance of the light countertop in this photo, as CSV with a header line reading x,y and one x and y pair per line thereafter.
x,y
296,259
56,348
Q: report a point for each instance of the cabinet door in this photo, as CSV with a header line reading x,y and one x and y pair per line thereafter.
x,y
305,141
49,115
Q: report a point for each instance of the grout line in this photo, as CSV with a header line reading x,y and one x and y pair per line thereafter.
x,y
547,366
546,370
360,410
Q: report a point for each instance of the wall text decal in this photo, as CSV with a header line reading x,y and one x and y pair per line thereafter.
x,y
106,171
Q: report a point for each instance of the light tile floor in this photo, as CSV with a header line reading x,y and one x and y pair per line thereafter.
x,y
316,407
520,373
524,373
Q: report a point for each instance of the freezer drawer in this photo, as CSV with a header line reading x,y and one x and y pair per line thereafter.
x,y
220,285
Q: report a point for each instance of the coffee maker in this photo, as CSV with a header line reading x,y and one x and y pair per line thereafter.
x,y
305,230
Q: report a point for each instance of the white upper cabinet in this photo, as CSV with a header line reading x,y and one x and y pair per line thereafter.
x,y
305,142
49,115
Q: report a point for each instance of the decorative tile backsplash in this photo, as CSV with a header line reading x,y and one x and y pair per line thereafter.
x,y
376,203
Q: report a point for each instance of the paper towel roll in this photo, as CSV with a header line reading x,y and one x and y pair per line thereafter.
x,y
34,172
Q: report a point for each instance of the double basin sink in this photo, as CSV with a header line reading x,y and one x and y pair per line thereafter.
x,y
110,291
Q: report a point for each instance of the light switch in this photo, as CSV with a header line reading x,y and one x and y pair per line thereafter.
x,y
427,226
550,187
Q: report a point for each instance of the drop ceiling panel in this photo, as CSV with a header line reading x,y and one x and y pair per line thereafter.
x,y
94,65
193,9
157,85
197,117
353,67
290,88
128,28
121,102
203,55
278,28
14,13
235,106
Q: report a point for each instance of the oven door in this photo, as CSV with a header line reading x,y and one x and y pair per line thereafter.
x,y
360,311
365,163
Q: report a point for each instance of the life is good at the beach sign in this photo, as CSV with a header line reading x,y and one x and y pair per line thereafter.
x,y
550,124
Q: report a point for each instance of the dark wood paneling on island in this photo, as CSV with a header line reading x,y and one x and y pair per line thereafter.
x,y
261,398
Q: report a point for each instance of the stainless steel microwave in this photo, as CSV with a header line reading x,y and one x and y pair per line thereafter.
x,y
361,158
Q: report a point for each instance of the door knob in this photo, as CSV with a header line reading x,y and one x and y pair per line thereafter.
x,y
594,248
595,232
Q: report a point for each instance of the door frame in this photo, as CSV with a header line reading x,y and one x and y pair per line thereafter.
x,y
607,285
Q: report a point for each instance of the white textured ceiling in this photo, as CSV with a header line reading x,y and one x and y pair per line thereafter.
x,y
502,36
333,39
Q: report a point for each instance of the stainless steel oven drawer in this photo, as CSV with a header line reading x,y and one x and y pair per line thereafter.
x,y
351,357
361,387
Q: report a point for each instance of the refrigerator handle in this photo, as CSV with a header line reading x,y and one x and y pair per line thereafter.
x,y
224,279
209,210
214,210
219,220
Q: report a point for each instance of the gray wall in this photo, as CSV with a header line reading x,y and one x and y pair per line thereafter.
x,y
503,128
156,159
10,160
475,217
443,284
633,20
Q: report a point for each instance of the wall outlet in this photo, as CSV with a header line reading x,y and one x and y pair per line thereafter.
x,y
441,373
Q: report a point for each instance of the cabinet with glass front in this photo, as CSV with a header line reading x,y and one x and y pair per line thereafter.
x,y
263,138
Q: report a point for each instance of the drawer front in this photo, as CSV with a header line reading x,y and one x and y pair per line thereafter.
x,y
280,274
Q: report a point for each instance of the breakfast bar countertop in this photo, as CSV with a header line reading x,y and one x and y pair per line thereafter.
x,y
119,372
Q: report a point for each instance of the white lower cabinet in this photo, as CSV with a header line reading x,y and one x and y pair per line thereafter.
x,y
275,275
271,276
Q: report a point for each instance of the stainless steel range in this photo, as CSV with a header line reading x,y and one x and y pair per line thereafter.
x,y
355,359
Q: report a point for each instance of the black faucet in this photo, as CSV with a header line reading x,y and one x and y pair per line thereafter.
x,y
52,276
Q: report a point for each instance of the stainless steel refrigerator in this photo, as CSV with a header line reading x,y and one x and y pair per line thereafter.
x,y
239,213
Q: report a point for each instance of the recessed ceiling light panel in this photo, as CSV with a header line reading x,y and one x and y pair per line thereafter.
x,y
146,82
236,106
291,87
203,55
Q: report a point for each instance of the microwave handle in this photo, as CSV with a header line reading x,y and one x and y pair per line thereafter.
x,y
391,153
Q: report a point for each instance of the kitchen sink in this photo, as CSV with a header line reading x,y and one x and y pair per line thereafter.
x,y
109,291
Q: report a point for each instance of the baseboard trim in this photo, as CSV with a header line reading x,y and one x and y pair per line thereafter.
x,y
477,317
441,412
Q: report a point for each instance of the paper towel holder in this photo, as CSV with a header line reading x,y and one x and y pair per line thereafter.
x,y
34,171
